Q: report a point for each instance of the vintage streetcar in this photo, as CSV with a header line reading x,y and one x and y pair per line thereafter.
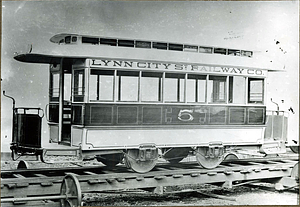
x,y
135,101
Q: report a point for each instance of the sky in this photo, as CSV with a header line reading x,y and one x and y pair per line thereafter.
x,y
248,25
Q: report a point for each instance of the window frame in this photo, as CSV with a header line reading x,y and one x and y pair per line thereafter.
x,y
98,73
158,75
178,84
197,77
118,85
249,92
78,97
216,80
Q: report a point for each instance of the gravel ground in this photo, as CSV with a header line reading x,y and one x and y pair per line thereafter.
x,y
241,195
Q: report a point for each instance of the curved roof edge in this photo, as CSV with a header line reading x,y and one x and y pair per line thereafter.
x,y
38,58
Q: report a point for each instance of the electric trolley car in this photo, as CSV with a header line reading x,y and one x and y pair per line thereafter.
x,y
134,101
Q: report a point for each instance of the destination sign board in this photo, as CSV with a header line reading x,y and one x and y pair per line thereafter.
x,y
196,68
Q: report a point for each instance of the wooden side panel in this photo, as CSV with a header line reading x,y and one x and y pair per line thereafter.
x,y
176,137
133,115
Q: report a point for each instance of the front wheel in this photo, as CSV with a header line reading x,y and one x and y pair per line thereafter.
x,y
133,161
209,159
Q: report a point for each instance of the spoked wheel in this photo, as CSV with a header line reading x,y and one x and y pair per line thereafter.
x,y
133,161
110,160
175,155
70,188
206,160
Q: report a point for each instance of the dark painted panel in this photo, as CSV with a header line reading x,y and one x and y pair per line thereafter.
x,y
217,115
139,114
186,115
237,115
127,114
77,114
256,115
101,114
152,115
53,113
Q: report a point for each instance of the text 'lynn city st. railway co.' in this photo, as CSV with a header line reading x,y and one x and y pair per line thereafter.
x,y
177,67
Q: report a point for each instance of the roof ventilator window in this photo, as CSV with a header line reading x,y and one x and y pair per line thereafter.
x,y
142,44
61,41
234,52
190,48
74,39
126,43
90,40
68,39
160,45
106,41
205,49
177,47
221,51
247,53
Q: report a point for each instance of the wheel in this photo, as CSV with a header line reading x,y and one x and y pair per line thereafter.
x,y
23,165
231,157
295,149
132,161
70,188
175,155
110,160
205,160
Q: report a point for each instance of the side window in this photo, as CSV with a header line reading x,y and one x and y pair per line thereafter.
x,y
151,86
101,86
255,90
216,89
127,86
78,88
237,90
54,87
174,87
196,88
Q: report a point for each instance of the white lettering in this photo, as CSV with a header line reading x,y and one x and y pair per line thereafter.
x,y
166,66
173,66
118,63
106,62
127,64
139,65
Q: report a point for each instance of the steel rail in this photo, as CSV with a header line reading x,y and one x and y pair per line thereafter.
x,y
46,184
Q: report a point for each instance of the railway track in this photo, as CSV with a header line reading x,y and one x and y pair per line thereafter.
x,y
65,186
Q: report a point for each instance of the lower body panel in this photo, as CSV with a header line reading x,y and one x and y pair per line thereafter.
x,y
101,138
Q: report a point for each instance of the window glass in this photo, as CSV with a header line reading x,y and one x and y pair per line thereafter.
x,y
151,87
67,87
196,87
55,85
101,85
93,87
216,89
78,89
255,90
237,90
127,85
174,87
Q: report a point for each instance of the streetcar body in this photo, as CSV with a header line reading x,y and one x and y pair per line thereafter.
x,y
136,99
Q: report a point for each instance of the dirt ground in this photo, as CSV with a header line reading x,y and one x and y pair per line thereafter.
x,y
238,196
